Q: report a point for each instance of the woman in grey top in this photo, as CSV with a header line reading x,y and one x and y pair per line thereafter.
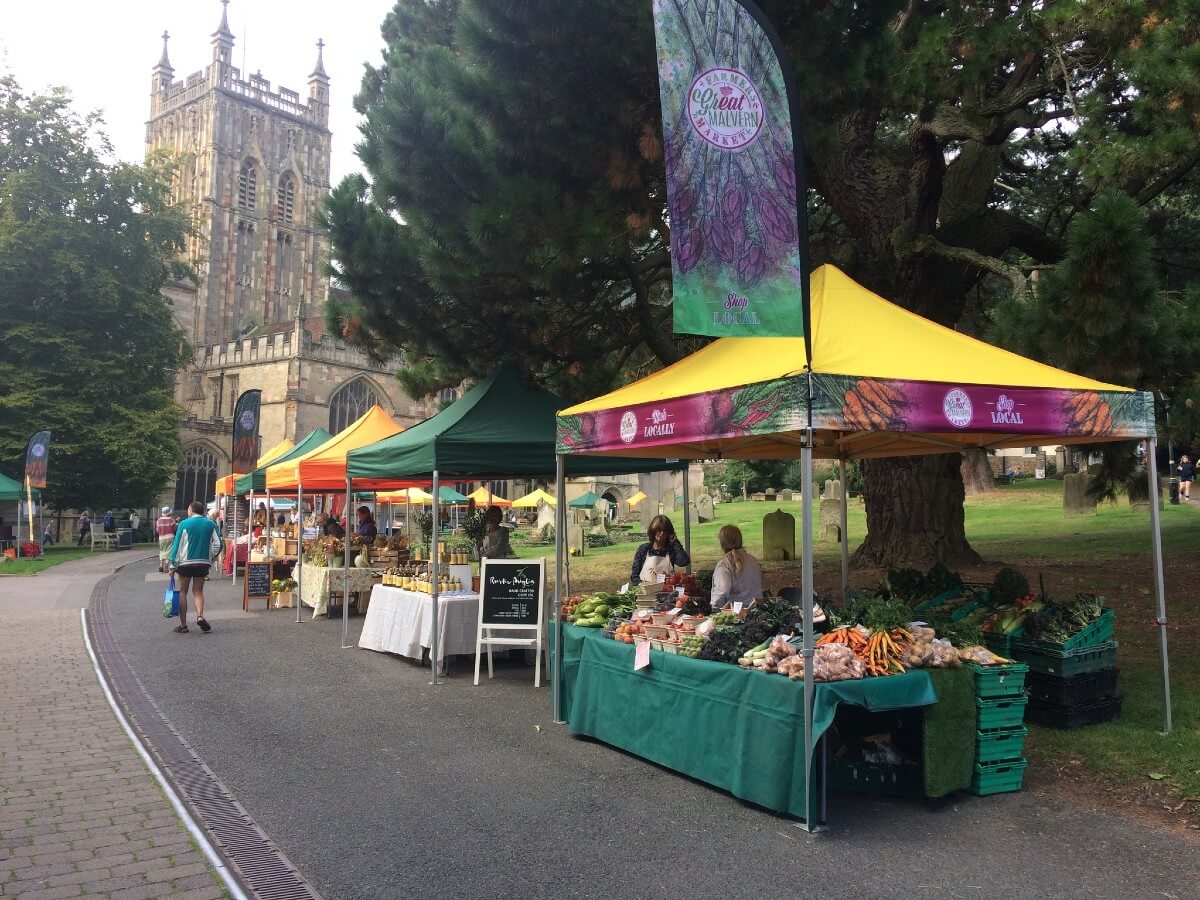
x,y
738,576
495,536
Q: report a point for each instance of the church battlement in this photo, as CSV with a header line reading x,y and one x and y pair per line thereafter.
x,y
279,346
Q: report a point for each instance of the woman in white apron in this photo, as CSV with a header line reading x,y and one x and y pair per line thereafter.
x,y
661,555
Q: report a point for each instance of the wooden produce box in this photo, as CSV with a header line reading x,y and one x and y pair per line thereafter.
x,y
285,547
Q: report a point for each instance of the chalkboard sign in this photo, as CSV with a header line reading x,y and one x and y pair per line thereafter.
x,y
257,585
510,592
510,599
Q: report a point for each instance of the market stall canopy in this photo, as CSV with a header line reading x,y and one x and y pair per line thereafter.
x,y
482,497
537,497
227,484
324,469
884,382
12,491
585,501
636,498
415,496
256,481
501,428
449,495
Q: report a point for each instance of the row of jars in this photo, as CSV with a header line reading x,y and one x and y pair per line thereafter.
x,y
451,558
421,582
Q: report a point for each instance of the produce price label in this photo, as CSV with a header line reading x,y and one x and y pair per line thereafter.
x,y
641,656
511,593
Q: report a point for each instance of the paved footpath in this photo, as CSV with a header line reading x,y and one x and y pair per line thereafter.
x,y
80,813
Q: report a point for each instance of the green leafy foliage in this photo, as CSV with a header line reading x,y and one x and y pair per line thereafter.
x,y
88,346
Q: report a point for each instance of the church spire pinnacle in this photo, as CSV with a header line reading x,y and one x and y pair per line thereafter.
x,y
319,71
222,39
164,63
223,28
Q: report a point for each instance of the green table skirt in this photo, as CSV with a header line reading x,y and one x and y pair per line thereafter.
x,y
739,730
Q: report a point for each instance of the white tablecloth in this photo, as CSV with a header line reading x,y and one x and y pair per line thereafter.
x,y
401,622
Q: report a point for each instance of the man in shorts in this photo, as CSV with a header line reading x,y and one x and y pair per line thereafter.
x,y
197,542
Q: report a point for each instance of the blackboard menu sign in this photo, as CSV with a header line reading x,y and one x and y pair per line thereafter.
x,y
511,593
258,582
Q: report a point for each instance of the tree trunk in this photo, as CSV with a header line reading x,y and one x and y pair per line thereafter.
x,y
915,513
977,473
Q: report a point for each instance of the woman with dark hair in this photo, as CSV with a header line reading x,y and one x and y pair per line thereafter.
x,y
495,538
1187,474
659,557
738,576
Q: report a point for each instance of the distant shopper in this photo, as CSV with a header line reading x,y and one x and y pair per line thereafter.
x,y
333,528
164,529
1187,474
48,535
134,522
738,576
84,528
197,543
109,522
366,524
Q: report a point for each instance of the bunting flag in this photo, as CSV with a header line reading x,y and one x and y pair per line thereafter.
x,y
736,194
37,458
245,432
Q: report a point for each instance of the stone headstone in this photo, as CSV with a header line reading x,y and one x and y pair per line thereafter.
x,y
837,488
827,491
575,539
693,514
758,498
786,495
1076,502
779,536
545,516
831,519
770,495
704,508
598,529
602,507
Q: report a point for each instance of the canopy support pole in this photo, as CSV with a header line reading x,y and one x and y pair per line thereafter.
x,y
434,560
346,571
299,549
1159,587
249,531
806,586
687,519
843,533
560,494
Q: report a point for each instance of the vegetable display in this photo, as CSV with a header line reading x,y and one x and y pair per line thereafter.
x,y
1059,622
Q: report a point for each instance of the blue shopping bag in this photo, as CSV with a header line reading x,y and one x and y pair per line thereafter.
x,y
171,599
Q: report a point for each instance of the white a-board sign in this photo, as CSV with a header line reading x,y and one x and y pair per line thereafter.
x,y
511,593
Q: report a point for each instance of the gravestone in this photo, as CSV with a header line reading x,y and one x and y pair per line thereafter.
x,y
694,513
575,539
758,498
1076,502
827,490
704,508
779,536
602,508
770,495
545,516
831,519
786,495
598,529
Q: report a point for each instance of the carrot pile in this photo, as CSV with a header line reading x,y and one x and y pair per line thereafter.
x,y
880,651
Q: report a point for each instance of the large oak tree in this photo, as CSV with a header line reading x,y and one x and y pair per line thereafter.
x,y
515,204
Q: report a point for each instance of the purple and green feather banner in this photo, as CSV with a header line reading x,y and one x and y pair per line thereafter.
x,y
735,193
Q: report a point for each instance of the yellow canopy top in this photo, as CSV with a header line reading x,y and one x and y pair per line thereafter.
x,y
636,498
324,469
225,484
854,332
415,496
533,499
482,497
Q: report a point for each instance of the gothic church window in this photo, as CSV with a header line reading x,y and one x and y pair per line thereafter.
x,y
286,199
248,186
196,478
350,403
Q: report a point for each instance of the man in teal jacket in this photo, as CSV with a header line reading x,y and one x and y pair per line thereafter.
x,y
197,543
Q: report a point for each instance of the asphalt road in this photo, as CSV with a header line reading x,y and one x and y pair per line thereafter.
x,y
379,785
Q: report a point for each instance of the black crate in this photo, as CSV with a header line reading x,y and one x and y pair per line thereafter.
x,y
1071,690
1072,717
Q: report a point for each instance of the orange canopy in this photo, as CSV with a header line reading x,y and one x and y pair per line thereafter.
x,y
324,469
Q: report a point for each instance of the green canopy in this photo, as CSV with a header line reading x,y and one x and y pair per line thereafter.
x,y
501,428
12,491
256,481
450,495
587,501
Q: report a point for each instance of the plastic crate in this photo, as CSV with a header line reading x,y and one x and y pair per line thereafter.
x,y
1072,690
1098,632
1000,746
998,777
1072,717
1001,712
999,681
872,778
934,602
1069,662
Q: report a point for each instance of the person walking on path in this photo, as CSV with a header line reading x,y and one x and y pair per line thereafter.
x,y
197,543
134,522
1187,474
164,529
48,535
84,528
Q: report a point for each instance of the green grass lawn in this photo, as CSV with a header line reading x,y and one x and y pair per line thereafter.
x,y
54,556
1023,525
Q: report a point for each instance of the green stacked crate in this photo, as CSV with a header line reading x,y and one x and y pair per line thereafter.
x,y
1000,731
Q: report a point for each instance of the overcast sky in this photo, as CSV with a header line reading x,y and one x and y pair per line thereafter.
x,y
103,51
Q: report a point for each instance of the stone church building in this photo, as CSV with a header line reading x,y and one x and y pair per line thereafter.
x,y
254,169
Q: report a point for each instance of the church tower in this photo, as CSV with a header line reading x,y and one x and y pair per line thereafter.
x,y
254,170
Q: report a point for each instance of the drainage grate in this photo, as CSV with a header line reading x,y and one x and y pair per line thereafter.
x,y
258,864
